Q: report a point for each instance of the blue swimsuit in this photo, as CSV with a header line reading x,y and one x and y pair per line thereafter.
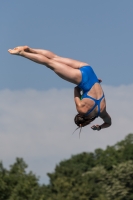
x,y
89,78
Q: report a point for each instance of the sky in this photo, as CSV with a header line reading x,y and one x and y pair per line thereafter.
x,y
36,106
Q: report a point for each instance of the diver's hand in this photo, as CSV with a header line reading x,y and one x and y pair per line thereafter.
x,y
96,127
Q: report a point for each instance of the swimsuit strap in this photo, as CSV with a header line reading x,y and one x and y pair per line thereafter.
x,y
97,103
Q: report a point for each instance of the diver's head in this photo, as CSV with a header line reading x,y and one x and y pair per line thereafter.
x,y
82,120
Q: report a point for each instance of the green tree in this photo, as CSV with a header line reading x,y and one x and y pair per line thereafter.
x,y
99,175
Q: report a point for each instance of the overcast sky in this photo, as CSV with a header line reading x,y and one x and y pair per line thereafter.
x,y
36,106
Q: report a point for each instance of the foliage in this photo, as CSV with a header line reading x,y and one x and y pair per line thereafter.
x,y
101,175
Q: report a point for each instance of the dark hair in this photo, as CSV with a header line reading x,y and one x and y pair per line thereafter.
x,y
81,120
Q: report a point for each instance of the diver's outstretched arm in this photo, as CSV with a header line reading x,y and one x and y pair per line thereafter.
x,y
107,122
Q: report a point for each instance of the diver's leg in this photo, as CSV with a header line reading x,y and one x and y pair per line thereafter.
x,y
64,71
67,61
72,63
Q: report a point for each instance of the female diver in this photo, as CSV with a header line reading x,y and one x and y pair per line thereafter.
x,y
91,104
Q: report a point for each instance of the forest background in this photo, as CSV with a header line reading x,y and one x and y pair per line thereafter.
x,y
99,175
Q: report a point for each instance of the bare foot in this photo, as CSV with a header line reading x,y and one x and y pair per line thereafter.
x,y
18,50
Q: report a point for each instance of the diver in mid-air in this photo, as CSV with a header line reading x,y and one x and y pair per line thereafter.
x,y
91,103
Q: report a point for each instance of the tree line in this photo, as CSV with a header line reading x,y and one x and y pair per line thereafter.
x,y
99,175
